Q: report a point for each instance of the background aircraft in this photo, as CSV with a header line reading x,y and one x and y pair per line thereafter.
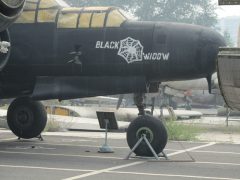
x,y
192,92
60,52
185,93
9,12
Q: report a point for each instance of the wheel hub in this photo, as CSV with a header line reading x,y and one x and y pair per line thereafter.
x,y
148,133
24,117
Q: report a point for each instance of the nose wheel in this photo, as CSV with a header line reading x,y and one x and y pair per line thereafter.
x,y
150,127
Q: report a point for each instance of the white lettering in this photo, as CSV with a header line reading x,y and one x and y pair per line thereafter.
x,y
107,45
150,56
112,44
98,44
101,45
146,56
165,56
156,56
120,45
116,45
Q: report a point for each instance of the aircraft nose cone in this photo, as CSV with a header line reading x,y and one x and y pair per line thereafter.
x,y
209,43
212,38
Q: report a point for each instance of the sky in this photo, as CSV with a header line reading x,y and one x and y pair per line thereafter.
x,y
224,11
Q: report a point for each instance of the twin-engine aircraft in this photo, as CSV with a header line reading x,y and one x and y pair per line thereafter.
x,y
61,52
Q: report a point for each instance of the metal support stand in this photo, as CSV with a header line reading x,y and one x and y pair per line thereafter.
x,y
105,147
39,137
228,114
143,138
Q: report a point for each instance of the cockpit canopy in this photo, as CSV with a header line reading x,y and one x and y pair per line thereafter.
x,y
56,11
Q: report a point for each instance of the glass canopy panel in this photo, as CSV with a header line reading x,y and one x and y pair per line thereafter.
x,y
84,20
98,20
68,20
27,17
30,5
115,19
48,15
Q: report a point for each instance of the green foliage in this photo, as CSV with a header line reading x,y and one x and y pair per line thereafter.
x,y
181,132
201,12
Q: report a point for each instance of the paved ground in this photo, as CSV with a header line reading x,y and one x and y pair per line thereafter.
x,y
70,155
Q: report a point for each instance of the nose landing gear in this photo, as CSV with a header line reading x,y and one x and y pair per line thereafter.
x,y
152,128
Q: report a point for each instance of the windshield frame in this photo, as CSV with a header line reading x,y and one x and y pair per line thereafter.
x,y
62,3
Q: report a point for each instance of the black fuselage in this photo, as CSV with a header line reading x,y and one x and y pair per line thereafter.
x,y
48,62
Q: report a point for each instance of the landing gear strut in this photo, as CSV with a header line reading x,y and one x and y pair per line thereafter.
x,y
152,128
139,101
26,118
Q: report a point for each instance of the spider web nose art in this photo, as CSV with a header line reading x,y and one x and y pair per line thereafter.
x,y
131,50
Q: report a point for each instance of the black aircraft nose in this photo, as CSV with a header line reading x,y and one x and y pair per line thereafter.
x,y
207,51
192,49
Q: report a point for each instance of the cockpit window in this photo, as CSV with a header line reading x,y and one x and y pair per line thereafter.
x,y
39,11
115,19
84,21
31,5
48,15
98,19
29,13
46,11
68,20
127,15
27,17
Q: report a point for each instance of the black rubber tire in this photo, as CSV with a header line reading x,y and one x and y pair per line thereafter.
x,y
26,118
158,134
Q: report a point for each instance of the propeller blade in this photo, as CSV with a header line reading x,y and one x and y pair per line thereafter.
x,y
120,99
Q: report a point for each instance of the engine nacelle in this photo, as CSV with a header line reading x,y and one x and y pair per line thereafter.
x,y
10,10
4,48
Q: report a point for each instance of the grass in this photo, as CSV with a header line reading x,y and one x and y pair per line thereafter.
x,y
181,132
231,129
189,132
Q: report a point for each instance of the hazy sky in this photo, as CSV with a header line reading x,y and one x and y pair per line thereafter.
x,y
228,10
222,11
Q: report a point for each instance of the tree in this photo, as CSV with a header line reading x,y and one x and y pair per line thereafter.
x,y
201,12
